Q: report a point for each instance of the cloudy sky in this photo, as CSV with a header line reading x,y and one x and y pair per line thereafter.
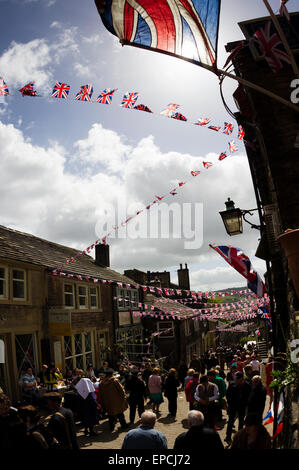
x,y
67,165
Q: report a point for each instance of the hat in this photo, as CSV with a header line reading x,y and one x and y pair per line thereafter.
x,y
109,371
54,396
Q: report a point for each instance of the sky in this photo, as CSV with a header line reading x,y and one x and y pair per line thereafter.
x,y
67,165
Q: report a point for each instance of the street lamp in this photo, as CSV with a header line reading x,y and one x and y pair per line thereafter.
x,y
232,218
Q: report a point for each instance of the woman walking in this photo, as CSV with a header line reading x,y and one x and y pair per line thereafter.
x,y
171,391
155,389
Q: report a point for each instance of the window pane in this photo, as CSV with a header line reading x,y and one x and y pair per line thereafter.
x,y
18,289
82,290
79,362
78,344
93,290
68,288
2,273
68,346
2,291
18,274
68,300
82,301
87,342
93,301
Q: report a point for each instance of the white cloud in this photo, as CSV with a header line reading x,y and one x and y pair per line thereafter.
x,y
82,70
65,207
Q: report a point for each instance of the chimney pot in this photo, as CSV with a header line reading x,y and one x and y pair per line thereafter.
x,y
102,256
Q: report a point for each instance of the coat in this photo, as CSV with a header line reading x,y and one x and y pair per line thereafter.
x,y
263,440
170,387
199,439
112,396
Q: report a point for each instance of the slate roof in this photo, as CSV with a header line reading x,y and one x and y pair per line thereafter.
x,y
20,246
178,309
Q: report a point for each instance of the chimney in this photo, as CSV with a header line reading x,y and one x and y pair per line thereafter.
x,y
183,277
102,255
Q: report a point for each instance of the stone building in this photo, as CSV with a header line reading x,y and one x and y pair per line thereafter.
x,y
271,130
69,318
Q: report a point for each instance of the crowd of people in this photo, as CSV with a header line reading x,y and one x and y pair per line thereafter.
x,y
226,379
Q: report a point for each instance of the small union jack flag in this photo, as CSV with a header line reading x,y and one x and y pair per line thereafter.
x,y
228,128
129,99
268,44
207,164
170,110
222,156
233,146
195,173
215,128
60,90
85,93
241,133
3,87
28,90
142,107
179,116
159,198
105,97
181,184
202,121
173,192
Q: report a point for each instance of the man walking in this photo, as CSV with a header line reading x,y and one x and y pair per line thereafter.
x,y
112,397
207,395
61,424
145,437
237,399
198,437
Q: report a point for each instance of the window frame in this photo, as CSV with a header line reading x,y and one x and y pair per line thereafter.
x,y
93,295
69,293
171,335
5,280
86,305
18,299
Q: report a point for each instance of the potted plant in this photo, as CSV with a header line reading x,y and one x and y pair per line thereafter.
x,y
289,241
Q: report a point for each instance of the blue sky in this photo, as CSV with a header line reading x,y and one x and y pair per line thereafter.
x,y
64,161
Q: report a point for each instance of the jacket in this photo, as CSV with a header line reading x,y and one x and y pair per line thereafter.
x,y
199,438
170,387
263,440
112,396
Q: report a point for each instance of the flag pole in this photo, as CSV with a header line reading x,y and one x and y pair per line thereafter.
x,y
218,73
282,37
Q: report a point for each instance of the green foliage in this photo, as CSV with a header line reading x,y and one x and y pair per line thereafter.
x,y
286,377
245,339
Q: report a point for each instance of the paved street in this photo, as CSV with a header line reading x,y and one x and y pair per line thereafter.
x,y
166,424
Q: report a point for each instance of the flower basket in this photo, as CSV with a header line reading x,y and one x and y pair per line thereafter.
x,y
289,241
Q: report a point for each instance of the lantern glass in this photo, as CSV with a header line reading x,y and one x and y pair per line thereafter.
x,y
232,220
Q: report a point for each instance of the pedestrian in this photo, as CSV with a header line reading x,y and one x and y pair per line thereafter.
x,y
257,397
237,396
61,424
146,375
90,373
30,434
137,393
155,388
198,437
248,373
50,378
8,421
195,363
216,379
188,377
269,377
255,364
171,392
145,437
207,395
182,372
86,390
230,376
190,390
112,397
254,436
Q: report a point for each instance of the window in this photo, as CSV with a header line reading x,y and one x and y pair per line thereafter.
x,y
78,350
69,295
187,328
134,299
93,297
3,283
120,293
82,297
19,284
166,325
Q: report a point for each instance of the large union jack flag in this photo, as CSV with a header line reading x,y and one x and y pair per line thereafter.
x,y
3,87
228,128
105,97
185,28
268,44
60,90
28,90
85,93
129,99
241,263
